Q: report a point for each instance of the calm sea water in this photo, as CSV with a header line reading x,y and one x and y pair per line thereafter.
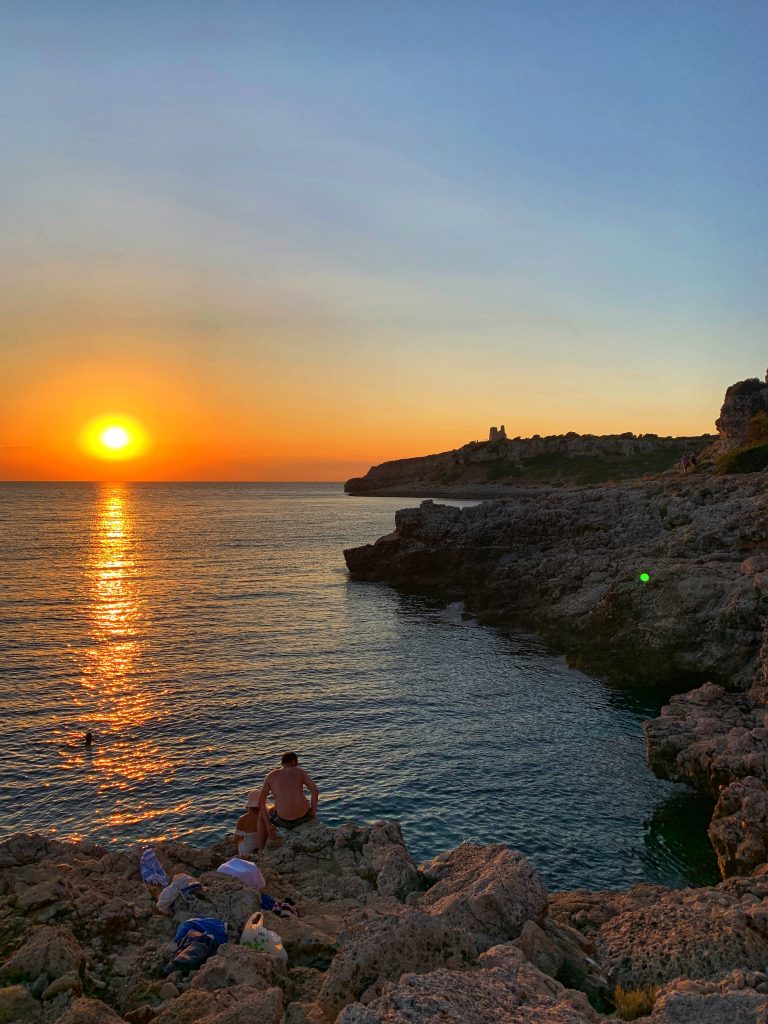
x,y
199,629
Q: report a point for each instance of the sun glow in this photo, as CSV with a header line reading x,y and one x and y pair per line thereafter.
x,y
114,437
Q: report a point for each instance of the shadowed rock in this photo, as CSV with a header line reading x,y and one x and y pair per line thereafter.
x,y
739,827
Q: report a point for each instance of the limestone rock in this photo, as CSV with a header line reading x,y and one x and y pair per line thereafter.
x,y
742,401
239,965
739,827
386,940
226,898
89,1011
17,1006
51,952
565,954
694,937
237,1005
729,1000
505,990
70,982
710,738
343,863
490,891
310,940
304,1013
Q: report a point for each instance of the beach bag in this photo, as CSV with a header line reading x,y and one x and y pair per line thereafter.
x,y
210,925
258,937
180,884
152,871
245,871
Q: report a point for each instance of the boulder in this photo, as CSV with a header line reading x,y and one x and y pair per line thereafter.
x,y
490,891
304,1013
17,1006
693,934
51,952
709,738
89,1011
730,1000
505,990
739,827
237,1005
226,898
239,965
564,954
310,940
386,940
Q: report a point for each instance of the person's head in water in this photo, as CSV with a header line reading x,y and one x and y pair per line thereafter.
x,y
289,759
88,739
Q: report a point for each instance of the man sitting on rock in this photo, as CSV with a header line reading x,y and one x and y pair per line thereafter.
x,y
287,783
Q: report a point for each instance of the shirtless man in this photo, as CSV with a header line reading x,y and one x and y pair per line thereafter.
x,y
287,783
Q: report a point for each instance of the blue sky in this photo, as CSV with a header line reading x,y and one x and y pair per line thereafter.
x,y
466,199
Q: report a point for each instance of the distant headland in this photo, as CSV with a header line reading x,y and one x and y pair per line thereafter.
x,y
502,465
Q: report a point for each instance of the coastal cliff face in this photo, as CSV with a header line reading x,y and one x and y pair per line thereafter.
x,y
481,467
467,938
567,565
661,580
742,403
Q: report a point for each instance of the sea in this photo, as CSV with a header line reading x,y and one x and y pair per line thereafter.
x,y
199,630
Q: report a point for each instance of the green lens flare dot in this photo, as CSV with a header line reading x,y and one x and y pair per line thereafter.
x,y
644,577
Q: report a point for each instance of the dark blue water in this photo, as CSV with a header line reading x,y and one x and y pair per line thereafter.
x,y
199,629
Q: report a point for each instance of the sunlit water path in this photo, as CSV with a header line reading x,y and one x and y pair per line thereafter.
x,y
200,629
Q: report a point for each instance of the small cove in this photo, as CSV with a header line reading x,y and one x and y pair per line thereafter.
x,y
199,629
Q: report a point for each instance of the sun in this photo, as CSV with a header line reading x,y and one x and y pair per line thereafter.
x,y
114,437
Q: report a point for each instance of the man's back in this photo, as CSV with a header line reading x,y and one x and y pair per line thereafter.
x,y
287,784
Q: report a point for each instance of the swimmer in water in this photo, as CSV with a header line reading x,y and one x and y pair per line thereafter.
x,y
89,739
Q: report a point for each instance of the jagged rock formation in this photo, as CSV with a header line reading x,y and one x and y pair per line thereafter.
x,y
743,401
739,827
502,462
566,564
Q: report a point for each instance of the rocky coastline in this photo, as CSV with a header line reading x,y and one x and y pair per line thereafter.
x,y
658,581
470,937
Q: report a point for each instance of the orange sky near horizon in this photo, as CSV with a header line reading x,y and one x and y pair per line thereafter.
x,y
303,239
291,421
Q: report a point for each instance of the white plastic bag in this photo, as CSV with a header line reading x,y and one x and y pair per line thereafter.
x,y
247,872
261,938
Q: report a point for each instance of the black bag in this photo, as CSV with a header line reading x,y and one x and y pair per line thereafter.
x,y
194,949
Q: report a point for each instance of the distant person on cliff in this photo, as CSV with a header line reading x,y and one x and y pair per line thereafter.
x,y
288,783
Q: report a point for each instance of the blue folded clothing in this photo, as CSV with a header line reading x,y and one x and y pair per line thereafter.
x,y
211,925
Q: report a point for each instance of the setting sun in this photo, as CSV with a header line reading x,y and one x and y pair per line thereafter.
x,y
114,437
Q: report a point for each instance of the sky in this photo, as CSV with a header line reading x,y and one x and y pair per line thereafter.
x,y
295,239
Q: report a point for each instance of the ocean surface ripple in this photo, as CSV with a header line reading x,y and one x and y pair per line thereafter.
x,y
200,629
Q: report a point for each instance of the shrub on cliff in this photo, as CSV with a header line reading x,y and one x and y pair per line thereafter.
x,y
634,1002
749,459
750,386
757,428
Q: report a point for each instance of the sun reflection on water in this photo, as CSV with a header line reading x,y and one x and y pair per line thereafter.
x,y
122,700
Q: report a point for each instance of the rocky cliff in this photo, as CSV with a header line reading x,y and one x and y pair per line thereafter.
x,y
567,564
662,580
488,467
469,937
743,402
